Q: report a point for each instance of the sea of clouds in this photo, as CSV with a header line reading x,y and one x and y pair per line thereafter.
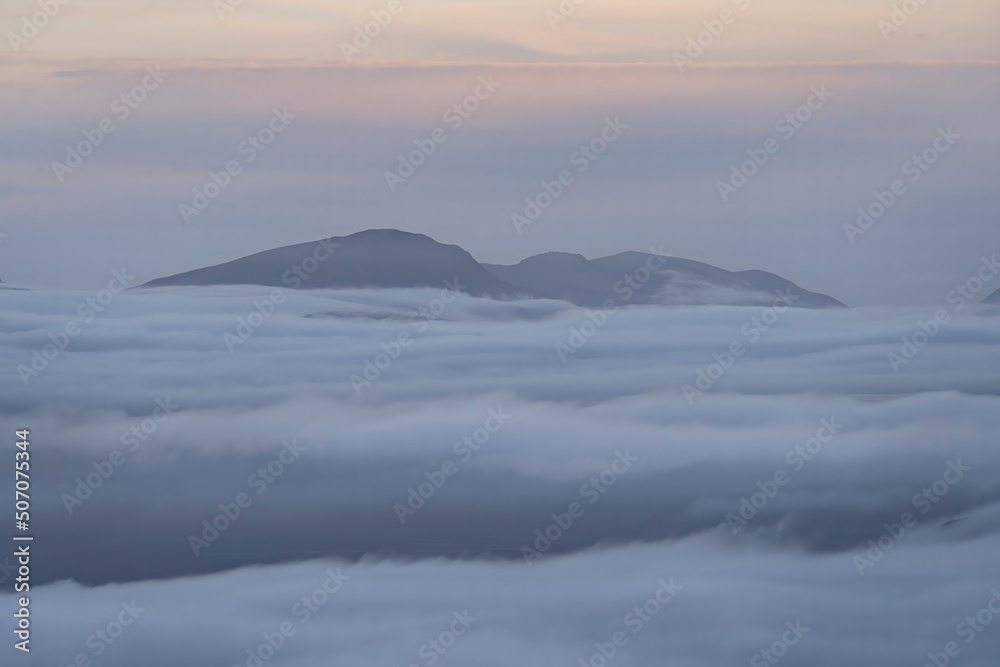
x,y
439,456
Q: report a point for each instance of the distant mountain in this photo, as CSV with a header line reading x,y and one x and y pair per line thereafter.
x,y
374,258
993,298
391,258
644,278
561,275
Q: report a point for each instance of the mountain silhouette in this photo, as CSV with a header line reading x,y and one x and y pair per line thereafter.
x,y
645,278
374,258
385,258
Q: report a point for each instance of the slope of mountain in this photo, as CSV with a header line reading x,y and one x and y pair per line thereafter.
x,y
391,258
643,278
993,299
561,275
374,258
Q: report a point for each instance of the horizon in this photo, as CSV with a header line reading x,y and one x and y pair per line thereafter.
x,y
674,177
426,333
986,293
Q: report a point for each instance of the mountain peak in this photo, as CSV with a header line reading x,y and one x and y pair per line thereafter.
x,y
391,258
384,234
379,258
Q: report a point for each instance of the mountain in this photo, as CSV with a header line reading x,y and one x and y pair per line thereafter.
x,y
391,258
374,258
644,278
561,275
993,298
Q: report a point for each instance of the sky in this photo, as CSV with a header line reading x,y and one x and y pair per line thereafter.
x,y
692,114
207,459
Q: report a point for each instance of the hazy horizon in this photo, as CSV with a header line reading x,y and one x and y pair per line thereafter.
x,y
232,441
657,185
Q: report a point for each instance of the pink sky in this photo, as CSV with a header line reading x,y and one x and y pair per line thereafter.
x,y
522,31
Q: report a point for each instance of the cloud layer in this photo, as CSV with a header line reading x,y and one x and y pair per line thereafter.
x,y
802,481
378,417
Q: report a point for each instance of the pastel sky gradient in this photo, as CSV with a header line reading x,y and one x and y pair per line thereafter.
x,y
657,187
519,31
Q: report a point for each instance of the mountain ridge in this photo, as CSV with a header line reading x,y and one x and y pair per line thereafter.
x,y
390,258
379,258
